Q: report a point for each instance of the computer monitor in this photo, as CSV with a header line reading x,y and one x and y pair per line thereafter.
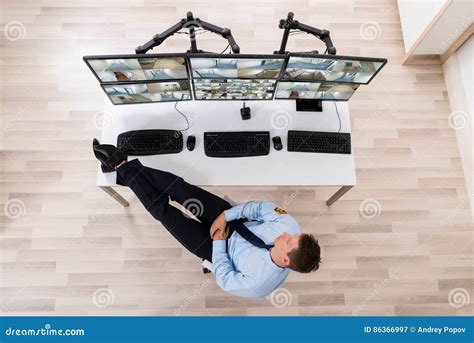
x,y
226,66
334,91
131,68
134,79
235,77
139,93
345,69
234,89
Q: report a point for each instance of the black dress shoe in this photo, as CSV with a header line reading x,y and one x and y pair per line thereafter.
x,y
109,155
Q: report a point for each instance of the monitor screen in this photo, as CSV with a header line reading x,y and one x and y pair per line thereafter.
x,y
332,68
315,90
136,93
233,89
241,67
137,68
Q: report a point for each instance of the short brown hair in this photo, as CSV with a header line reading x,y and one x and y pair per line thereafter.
x,y
307,257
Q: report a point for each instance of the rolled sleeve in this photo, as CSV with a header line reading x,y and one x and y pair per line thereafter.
x,y
258,210
218,246
231,214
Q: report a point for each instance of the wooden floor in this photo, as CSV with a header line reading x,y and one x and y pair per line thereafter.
x,y
400,243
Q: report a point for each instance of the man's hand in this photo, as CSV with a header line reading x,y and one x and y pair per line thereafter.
x,y
219,223
221,234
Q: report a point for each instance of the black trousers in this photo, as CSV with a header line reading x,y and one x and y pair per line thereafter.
x,y
155,187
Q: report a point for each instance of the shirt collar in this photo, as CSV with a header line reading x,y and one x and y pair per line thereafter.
x,y
273,264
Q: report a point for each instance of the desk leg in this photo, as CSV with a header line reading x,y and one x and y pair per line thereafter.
x,y
113,193
340,192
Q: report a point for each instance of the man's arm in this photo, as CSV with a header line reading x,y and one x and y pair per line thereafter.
x,y
227,277
263,211
258,210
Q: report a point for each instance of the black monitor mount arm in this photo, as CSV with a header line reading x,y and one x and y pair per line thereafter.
x,y
189,23
289,24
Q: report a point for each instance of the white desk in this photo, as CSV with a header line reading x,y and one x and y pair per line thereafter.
x,y
279,168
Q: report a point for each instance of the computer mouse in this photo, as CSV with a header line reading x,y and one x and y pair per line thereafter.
x,y
277,144
191,143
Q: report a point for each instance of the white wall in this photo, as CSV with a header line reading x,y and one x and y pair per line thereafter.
x,y
465,57
452,23
459,75
415,15
446,20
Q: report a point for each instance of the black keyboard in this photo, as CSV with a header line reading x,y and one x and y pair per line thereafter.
x,y
321,142
237,144
150,142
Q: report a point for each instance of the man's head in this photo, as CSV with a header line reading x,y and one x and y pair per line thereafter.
x,y
300,253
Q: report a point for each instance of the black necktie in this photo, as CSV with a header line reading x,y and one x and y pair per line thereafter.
x,y
249,236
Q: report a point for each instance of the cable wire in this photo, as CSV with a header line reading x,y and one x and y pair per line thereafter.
x,y
296,32
184,115
227,47
338,117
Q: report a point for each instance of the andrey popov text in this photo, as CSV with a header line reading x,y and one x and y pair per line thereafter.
x,y
414,329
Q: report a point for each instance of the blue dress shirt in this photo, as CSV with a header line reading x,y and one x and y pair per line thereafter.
x,y
246,270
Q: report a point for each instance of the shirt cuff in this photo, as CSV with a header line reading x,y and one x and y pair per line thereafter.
x,y
219,246
230,214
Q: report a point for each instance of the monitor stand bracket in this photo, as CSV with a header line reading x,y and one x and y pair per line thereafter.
x,y
189,23
289,24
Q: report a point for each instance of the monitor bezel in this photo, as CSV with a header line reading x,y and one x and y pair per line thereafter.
x,y
335,57
144,82
272,98
345,83
284,57
132,56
